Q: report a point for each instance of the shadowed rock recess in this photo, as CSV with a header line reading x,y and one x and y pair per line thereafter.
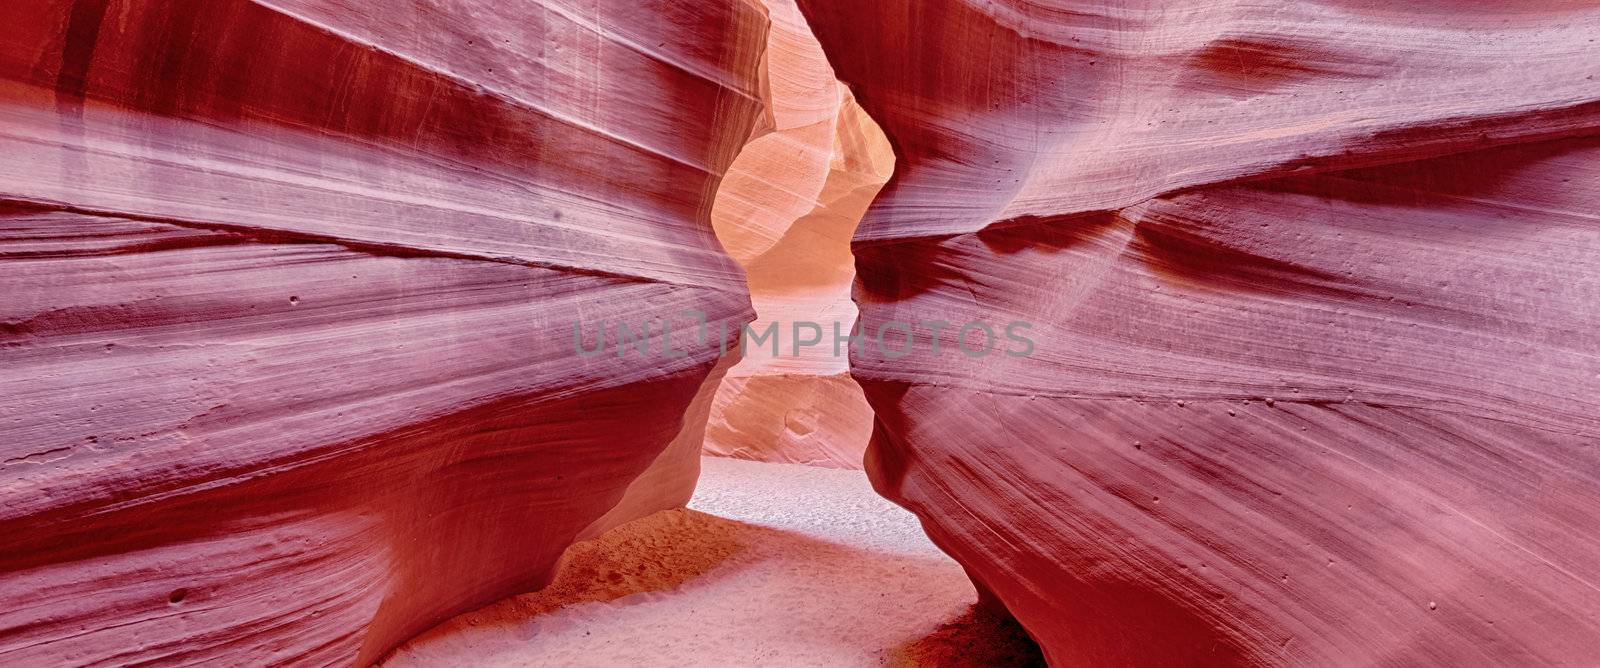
x,y
290,290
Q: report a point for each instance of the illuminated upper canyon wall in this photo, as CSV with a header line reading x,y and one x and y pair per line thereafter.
x,y
289,291
786,212
1314,292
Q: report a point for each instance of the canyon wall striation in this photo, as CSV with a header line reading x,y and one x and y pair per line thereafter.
x,y
1314,296
290,293
292,286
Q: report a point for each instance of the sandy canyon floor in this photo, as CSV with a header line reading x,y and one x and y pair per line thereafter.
x,y
773,565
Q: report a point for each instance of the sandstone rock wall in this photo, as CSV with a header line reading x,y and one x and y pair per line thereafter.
x,y
286,345
1313,288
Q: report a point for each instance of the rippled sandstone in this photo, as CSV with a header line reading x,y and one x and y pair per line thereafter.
x,y
1313,286
290,287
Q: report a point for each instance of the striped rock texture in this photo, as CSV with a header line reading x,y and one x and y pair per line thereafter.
x,y
286,347
786,213
1316,305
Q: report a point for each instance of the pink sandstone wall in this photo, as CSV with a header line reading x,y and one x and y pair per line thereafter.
x,y
1314,292
289,284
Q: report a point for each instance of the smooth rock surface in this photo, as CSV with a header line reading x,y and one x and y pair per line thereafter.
x,y
1313,291
798,418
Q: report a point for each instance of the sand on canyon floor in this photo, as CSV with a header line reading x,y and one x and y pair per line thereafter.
x,y
772,565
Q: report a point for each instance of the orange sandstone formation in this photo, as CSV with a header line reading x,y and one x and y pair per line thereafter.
x,y
786,212
290,287
1313,287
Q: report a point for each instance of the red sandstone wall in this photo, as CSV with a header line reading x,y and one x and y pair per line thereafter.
x,y
286,343
1314,291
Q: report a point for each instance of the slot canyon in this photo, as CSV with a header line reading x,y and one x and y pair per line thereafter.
x,y
799,332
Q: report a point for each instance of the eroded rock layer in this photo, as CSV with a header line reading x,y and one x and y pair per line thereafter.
x,y
290,292
793,418
1313,296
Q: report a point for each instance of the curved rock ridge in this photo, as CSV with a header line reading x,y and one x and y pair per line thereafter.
x,y
786,213
1313,296
291,287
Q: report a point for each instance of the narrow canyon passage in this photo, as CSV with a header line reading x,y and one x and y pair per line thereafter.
x,y
785,555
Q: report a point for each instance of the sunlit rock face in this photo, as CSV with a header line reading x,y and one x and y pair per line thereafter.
x,y
786,213
290,292
1313,292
